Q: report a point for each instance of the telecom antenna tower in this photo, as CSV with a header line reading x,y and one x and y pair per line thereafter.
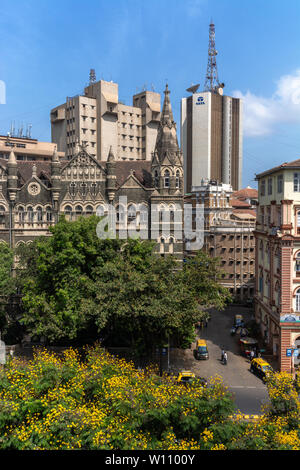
x,y
212,81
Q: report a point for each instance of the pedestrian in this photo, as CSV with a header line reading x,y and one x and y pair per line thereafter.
x,y
251,355
225,358
222,355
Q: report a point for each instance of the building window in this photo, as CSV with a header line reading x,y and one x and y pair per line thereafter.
x,y
270,186
263,188
167,179
156,178
298,263
100,211
68,212
297,301
131,213
279,183
30,215
297,182
39,214
89,210
48,214
177,178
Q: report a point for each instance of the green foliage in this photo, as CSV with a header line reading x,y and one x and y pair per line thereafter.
x,y
7,286
115,406
74,284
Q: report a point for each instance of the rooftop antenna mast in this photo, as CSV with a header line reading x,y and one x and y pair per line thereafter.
x,y
92,76
212,81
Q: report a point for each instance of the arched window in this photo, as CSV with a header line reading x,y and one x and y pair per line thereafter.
x,y
21,214
298,263
297,301
68,212
89,210
83,188
120,214
2,214
39,214
49,214
143,209
73,188
131,213
177,179
78,210
171,245
100,211
30,215
167,179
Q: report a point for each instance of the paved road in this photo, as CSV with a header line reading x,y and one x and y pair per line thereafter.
x,y
249,391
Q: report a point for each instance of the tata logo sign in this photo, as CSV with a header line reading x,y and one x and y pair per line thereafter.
x,y
200,100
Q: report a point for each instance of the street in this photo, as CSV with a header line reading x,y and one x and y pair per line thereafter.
x,y
249,391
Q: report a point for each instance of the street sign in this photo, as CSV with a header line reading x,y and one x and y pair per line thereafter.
x,y
296,353
289,352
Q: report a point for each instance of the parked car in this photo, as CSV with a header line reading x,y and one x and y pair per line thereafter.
x,y
201,349
260,367
187,377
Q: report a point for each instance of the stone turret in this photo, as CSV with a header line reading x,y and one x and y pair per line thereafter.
x,y
12,178
167,161
111,175
55,179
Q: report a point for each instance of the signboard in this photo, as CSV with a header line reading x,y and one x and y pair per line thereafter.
x,y
296,353
289,352
200,100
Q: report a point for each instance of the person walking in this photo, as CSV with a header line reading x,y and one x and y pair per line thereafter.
x,y
222,355
252,354
225,358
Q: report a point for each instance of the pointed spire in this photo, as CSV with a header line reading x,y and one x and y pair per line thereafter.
x,y
111,157
55,155
167,113
34,170
167,136
12,158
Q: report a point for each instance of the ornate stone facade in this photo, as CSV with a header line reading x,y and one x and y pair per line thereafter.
x,y
33,195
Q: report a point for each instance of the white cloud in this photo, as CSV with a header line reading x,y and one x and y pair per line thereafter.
x,y
262,115
194,7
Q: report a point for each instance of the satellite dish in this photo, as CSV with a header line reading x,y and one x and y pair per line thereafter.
x,y
193,88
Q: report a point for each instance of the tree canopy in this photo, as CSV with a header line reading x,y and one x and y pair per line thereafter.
x,y
73,282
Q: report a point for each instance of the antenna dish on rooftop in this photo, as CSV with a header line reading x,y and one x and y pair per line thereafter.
x,y
193,88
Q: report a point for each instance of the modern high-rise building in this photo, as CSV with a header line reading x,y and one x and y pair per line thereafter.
x,y
98,120
211,131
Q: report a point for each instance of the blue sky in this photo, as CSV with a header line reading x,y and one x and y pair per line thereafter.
x,y
48,48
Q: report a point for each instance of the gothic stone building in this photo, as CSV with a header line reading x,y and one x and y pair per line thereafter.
x,y
33,194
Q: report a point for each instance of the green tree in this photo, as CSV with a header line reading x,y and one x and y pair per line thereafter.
x,y
6,280
74,282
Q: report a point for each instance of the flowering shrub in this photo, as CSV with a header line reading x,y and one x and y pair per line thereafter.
x,y
103,402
